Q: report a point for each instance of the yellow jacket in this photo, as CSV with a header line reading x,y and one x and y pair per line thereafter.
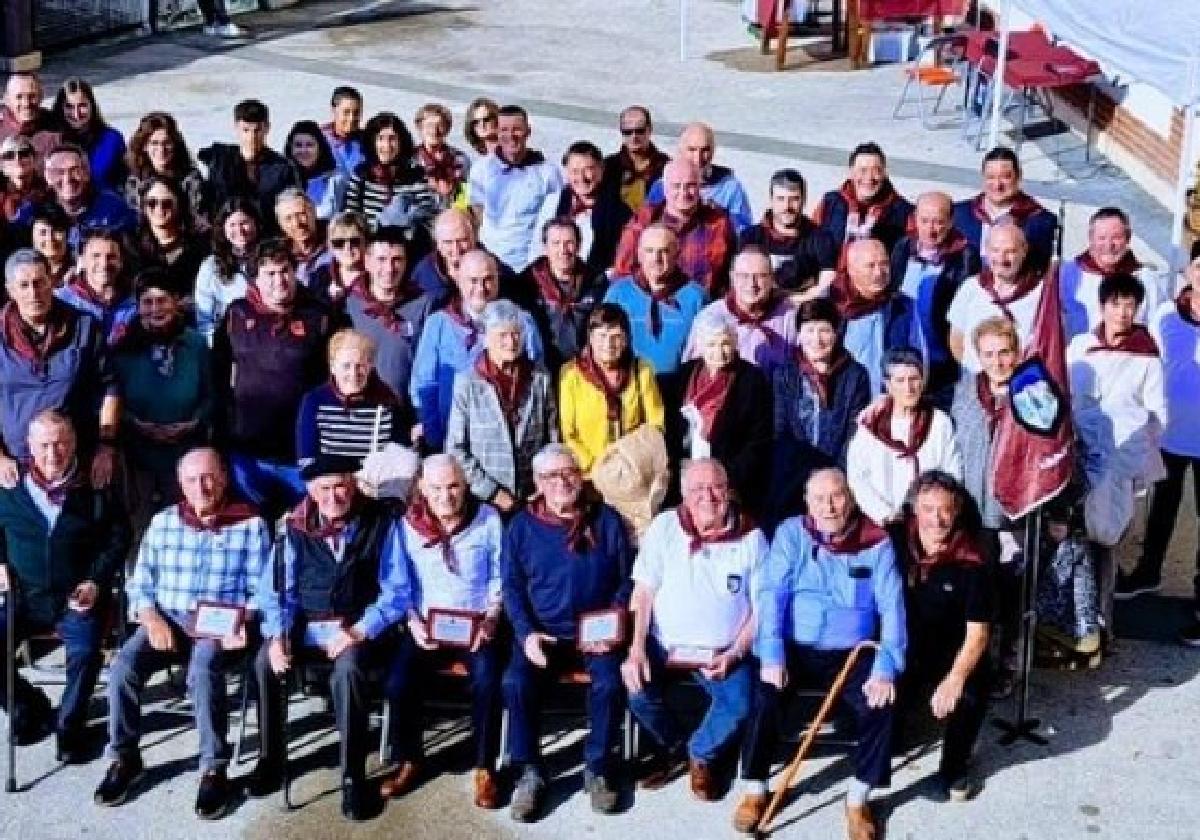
x,y
583,412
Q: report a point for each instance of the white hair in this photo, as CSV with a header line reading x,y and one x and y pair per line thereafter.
x,y
548,453
696,463
502,313
443,459
709,324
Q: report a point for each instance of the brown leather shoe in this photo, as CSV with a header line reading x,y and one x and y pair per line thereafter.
x,y
661,770
749,812
704,784
860,823
487,793
401,781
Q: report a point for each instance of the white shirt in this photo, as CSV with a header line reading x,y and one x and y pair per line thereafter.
x,y
1179,342
972,305
1079,291
700,599
511,198
476,548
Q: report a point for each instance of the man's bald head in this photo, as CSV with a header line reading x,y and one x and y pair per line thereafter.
x,y
936,202
681,186
869,267
698,144
933,218
453,235
1006,250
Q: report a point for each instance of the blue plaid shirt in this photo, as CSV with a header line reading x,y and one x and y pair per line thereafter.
x,y
178,566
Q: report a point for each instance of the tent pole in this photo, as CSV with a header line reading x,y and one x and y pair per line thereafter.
x,y
1178,258
998,75
683,28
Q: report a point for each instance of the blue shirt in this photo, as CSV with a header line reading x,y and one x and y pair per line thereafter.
x,y
919,284
869,337
114,320
812,595
106,210
665,350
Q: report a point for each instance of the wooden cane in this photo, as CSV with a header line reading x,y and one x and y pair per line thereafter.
x,y
10,668
789,775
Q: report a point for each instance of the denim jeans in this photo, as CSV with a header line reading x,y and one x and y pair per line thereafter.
x,y
728,709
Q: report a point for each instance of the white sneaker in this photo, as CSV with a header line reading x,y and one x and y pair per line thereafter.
x,y
231,30
211,29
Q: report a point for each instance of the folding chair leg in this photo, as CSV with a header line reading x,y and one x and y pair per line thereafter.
x,y
10,664
502,756
247,675
903,98
629,752
287,773
385,735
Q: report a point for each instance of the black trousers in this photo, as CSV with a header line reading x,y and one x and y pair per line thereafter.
x,y
1164,506
214,11
809,666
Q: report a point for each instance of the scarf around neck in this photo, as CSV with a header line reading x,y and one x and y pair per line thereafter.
x,y
737,525
877,420
430,529
1128,264
1136,342
708,392
595,376
56,491
859,534
666,296
822,383
512,389
557,298
579,523
960,550
1022,208
230,513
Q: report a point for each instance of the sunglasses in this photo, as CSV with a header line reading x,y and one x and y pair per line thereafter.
x,y
638,130
485,119
351,242
157,203
13,154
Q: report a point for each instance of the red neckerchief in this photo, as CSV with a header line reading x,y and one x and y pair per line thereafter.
x,y
385,313
877,420
1026,283
230,513
954,243
773,239
708,393
581,535
441,164
277,322
1023,206
385,174
960,550
859,534
56,491
594,375
1128,264
579,204
531,157
850,302
454,309
429,528
338,287
376,392
737,525
511,389
552,292
663,297
1183,305
993,406
749,319
862,216
80,287
822,383
25,343
306,518
1136,342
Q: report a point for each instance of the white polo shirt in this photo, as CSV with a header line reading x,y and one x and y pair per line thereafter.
x,y
972,305
701,599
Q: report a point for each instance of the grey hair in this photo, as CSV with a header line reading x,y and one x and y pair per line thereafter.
x,y
292,194
22,257
695,463
549,452
53,419
502,313
443,459
837,472
1006,224
709,324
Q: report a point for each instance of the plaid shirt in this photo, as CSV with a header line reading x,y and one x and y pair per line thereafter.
x,y
177,565
706,244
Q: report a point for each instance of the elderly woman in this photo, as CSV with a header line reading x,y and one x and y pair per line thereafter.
x,y
720,407
387,177
817,399
949,610
78,115
503,412
166,236
347,237
900,436
354,413
157,147
606,392
162,369
445,166
225,275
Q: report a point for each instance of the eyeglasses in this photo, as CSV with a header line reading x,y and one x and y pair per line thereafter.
x,y
13,154
632,130
160,203
562,476
350,242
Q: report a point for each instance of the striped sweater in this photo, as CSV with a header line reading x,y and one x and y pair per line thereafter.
x,y
407,204
331,425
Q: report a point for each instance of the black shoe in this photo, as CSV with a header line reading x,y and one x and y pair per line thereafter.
x,y
119,781
69,748
265,779
1138,582
357,803
212,799
1190,635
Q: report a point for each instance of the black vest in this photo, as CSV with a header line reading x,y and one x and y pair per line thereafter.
x,y
345,589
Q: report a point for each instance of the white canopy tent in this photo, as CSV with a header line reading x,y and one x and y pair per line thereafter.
x,y
1156,43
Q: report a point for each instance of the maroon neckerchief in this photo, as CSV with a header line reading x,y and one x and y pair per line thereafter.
x,y
663,297
440,164
552,292
960,550
511,388
531,157
385,313
851,303
13,198
230,513
993,406
79,285
822,383
376,392
56,491
737,525
25,343
385,174
277,322
1136,342
581,535
954,243
1128,264
773,239
1023,206
137,337
579,204
1183,305
338,287
877,420
708,393
306,518
430,529
593,374
1026,283
862,216
750,319
859,534
454,309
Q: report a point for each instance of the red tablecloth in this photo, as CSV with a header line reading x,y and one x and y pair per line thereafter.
x,y
869,10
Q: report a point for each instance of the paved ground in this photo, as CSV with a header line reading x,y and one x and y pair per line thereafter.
x,y
1123,756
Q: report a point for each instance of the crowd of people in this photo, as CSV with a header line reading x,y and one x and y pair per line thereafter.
x,y
663,440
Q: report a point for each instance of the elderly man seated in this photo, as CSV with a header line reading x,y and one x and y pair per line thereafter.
x,y
831,582
566,558
208,551
335,589
61,542
693,580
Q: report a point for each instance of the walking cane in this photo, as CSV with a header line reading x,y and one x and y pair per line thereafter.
x,y
789,775
10,669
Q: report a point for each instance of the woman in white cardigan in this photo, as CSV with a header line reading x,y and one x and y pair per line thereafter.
x,y
899,436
